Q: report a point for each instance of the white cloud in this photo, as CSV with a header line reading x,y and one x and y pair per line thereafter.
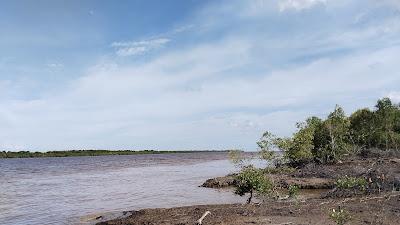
x,y
138,47
394,96
220,93
298,4
55,65
182,29
150,106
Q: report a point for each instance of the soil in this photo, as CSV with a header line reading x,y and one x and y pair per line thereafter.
x,y
382,209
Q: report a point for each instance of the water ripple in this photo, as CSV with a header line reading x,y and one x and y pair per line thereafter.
x,y
63,190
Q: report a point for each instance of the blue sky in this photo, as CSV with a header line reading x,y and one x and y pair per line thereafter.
x,y
187,74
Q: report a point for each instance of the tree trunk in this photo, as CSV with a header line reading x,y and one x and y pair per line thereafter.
x,y
332,142
251,196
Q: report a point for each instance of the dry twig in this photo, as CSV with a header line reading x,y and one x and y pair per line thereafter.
x,y
199,222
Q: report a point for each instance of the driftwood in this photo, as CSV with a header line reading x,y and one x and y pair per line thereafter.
x,y
199,222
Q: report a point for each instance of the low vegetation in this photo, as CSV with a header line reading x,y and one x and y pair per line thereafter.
x,y
252,180
293,191
340,216
347,182
237,158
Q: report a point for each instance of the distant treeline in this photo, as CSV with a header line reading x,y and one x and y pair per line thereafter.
x,y
28,154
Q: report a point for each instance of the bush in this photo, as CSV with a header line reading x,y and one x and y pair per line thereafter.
x,y
293,191
347,182
340,216
236,157
251,180
331,140
362,127
267,145
299,149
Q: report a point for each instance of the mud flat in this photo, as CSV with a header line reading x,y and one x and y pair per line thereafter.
x,y
382,209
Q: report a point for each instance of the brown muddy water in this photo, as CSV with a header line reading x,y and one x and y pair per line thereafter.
x,y
73,189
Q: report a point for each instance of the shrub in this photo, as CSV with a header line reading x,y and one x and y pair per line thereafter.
x,y
267,145
251,180
362,127
236,157
387,124
332,137
340,216
347,182
293,191
298,149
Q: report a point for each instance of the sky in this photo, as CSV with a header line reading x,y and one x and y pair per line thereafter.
x,y
187,74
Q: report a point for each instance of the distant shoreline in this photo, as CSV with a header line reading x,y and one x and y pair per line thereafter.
x,y
77,153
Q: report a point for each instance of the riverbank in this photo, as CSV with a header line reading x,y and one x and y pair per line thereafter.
x,y
380,209
77,153
379,203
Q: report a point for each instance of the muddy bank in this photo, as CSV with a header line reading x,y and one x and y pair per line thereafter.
x,y
383,209
384,172
220,182
282,180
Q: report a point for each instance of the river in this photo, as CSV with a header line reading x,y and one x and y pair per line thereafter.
x,y
39,191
